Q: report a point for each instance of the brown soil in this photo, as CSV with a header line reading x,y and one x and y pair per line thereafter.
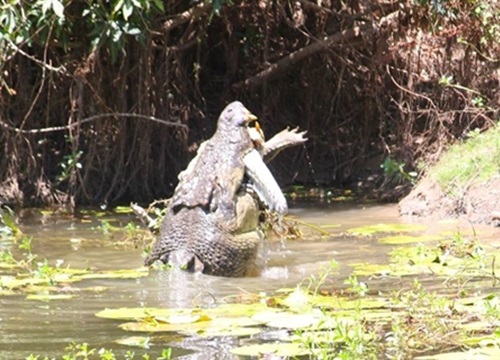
x,y
478,203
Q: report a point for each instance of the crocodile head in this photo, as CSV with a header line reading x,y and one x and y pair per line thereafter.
x,y
234,115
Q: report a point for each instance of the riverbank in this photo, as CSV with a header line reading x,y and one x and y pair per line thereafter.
x,y
465,182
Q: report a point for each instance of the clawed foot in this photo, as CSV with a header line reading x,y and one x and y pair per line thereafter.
x,y
283,140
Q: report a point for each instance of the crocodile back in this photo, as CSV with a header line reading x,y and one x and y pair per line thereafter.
x,y
221,252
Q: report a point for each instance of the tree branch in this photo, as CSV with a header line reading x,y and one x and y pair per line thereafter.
x,y
195,12
291,59
91,118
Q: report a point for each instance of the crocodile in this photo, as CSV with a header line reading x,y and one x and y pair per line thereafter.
x,y
211,224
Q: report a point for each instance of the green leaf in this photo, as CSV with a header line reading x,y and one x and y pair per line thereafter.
x,y
132,31
45,5
117,7
58,8
128,9
159,5
138,3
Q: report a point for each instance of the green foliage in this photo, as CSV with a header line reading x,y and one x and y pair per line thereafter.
x,y
447,81
85,352
111,23
476,159
314,282
166,354
78,351
355,286
132,230
488,14
159,214
480,17
395,173
6,258
105,25
69,164
32,22
8,225
26,244
427,322
105,227
46,272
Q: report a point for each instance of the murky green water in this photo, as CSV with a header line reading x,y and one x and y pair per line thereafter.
x,y
28,326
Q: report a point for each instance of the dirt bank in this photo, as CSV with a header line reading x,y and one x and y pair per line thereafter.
x,y
478,202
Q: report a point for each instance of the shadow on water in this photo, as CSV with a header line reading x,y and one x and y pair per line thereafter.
x,y
34,327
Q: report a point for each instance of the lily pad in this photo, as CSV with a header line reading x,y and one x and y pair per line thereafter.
x,y
364,269
115,274
385,228
296,300
183,318
407,239
168,316
196,326
340,303
228,310
6,292
46,278
12,282
5,265
142,342
123,210
236,331
133,313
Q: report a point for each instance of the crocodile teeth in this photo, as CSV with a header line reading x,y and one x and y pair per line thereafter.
x,y
264,183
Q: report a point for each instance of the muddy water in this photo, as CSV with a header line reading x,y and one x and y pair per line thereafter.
x,y
46,328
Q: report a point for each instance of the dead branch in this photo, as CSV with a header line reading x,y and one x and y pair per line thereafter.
x,y
91,118
341,37
291,59
60,69
193,13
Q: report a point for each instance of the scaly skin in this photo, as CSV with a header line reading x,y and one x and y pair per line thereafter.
x,y
204,245
210,225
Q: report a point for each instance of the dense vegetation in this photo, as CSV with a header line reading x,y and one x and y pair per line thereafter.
x,y
106,101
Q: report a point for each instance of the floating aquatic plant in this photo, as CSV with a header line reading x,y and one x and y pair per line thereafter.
x,y
385,228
